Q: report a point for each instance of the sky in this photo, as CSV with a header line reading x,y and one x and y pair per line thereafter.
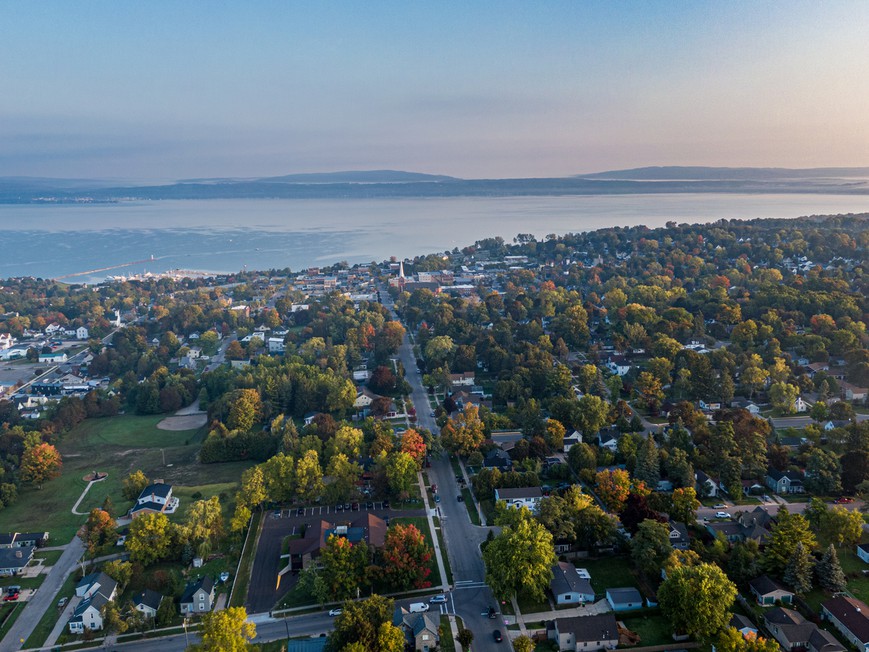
x,y
165,90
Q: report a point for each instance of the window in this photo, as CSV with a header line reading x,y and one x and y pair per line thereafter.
x,y
425,637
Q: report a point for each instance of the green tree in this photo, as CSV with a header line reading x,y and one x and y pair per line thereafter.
x,y
523,644
134,484
366,626
823,472
685,505
842,526
650,547
245,409
581,456
112,619
120,571
309,476
789,531
99,530
829,571
648,463
344,474
253,491
279,478
798,573
520,559
648,390
593,414
227,630
742,566
783,396
149,538
401,473
697,600
465,638
344,566
204,521
731,639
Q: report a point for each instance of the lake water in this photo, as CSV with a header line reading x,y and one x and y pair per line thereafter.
x,y
52,240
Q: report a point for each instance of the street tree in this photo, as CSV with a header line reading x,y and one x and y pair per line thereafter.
x,y
465,638
227,630
413,444
464,433
344,566
366,626
520,559
401,473
697,600
406,558
523,644
39,464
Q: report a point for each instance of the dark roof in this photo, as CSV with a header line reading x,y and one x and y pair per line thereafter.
x,y
15,557
624,595
738,621
366,526
852,613
204,583
157,489
565,579
148,598
519,492
777,475
823,641
600,627
765,584
782,616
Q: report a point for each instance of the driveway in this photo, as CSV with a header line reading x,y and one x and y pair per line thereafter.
x,y
44,598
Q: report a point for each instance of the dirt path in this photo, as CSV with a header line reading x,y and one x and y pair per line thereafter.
x,y
188,418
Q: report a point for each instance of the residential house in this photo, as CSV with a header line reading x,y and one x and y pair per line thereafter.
x,y
788,627
624,599
853,392
421,630
851,617
768,592
785,482
14,560
709,406
81,333
520,497
572,440
53,358
705,485
364,398
198,597
568,586
800,405
156,497
679,538
26,540
276,345
498,459
743,625
607,440
584,633
366,527
148,602
6,341
465,379
618,366
96,590
863,552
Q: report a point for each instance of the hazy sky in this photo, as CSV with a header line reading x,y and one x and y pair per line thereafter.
x,y
158,90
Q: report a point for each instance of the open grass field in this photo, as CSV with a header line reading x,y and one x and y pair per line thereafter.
x,y
117,446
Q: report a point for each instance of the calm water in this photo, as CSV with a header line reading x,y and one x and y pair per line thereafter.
x,y
227,235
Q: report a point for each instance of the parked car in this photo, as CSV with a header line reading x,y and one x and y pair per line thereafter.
x,y
369,505
11,596
334,612
417,607
492,613
437,498
719,506
339,507
438,599
843,499
385,504
62,603
355,507
460,498
497,636
722,515
766,499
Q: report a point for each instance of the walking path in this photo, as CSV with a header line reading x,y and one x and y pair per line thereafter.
x,y
434,535
84,493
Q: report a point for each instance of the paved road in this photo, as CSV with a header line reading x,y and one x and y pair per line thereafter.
x,y
44,598
471,597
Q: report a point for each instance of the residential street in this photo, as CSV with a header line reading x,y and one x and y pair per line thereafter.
x,y
44,598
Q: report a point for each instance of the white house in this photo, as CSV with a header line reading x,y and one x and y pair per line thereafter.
x,y
571,440
276,345
520,497
6,341
465,379
95,590
155,498
81,333
53,358
568,586
800,405
618,366
148,602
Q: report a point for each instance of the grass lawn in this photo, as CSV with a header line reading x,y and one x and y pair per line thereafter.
x,y
241,581
529,606
421,524
653,629
469,505
447,642
608,572
117,446
49,618
858,584
9,612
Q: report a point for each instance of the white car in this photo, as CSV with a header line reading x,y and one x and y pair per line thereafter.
x,y
722,515
438,599
334,612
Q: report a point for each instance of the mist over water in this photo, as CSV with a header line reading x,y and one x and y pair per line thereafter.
x,y
50,240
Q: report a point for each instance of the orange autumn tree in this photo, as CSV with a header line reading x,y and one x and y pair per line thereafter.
x,y
40,463
406,558
613,487
413,444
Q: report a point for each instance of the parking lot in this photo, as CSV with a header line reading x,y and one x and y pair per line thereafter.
x,y
264,590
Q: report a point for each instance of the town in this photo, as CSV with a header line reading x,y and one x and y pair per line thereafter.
x,y
632,438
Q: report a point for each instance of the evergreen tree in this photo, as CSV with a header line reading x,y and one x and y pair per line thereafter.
x,y
798,573
648,463
829,571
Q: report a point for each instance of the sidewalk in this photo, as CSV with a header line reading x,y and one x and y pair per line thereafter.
x,y
599,607
62,622
471,490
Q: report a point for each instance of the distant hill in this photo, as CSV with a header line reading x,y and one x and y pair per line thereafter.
x,y
699,173
359,176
